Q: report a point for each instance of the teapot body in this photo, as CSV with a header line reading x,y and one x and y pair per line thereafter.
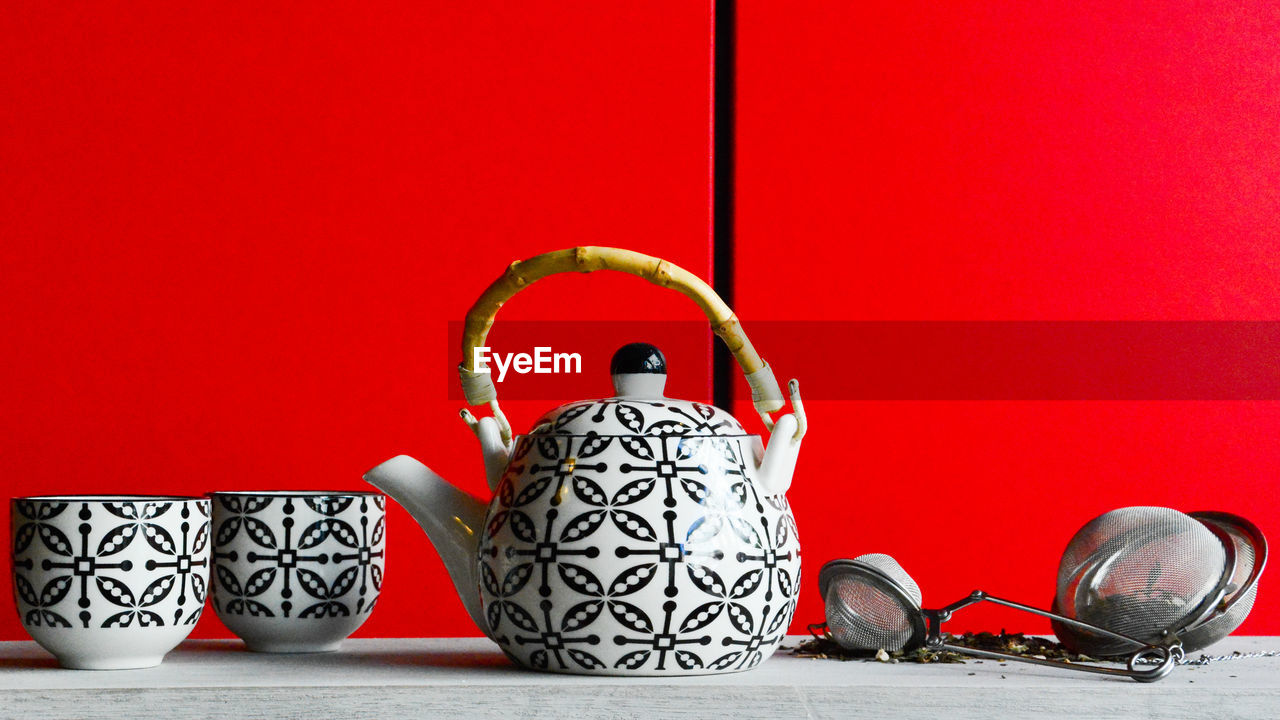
x,y
632,537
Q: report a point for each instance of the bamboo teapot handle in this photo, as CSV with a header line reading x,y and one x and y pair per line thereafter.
x,y
478,386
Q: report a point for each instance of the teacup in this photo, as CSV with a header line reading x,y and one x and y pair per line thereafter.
x,y
297,571
108,582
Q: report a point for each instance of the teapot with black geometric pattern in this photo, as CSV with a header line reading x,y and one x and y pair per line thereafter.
x,y
633,535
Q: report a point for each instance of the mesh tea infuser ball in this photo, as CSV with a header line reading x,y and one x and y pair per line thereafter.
x,y
873,604
1158,575
1251,557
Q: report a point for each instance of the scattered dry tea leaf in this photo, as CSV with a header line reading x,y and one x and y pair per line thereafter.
x,y
1010,643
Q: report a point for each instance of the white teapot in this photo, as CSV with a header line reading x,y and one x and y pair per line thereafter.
x,y
634,535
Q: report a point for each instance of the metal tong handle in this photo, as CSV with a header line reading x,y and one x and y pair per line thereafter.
x,y
1140,667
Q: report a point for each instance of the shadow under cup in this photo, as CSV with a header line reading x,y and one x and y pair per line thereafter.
x,y
297,571
109,582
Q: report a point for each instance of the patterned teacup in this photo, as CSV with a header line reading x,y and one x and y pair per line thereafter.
x,y
108,582
297,571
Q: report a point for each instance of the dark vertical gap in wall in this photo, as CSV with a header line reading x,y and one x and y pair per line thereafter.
x,y
722,187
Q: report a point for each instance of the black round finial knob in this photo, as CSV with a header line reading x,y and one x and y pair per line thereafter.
x,y
638,358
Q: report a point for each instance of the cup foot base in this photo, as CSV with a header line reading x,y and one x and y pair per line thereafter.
x,y
125,663
292,648
278,634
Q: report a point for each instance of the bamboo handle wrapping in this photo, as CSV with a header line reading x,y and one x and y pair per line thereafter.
x,y
478,386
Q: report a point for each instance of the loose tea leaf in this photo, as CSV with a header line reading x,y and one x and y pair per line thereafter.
x,y
1010,643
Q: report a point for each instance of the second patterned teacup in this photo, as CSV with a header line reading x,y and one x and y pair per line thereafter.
x,y
297,571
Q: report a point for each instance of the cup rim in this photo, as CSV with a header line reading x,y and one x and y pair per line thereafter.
x,y
106,498
294,493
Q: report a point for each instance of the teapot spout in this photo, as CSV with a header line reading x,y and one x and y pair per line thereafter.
x,y
451,518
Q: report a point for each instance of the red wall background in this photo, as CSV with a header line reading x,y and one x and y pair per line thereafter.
x,y
235,234
905,160
234,237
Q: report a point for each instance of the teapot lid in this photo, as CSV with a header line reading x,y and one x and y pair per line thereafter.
x,y
639,372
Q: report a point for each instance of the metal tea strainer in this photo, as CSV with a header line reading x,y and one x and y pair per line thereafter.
x,y
873,604
1157,575
1250,558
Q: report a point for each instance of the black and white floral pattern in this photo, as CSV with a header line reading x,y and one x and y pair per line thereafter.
x,y
644,548
132,563
282,556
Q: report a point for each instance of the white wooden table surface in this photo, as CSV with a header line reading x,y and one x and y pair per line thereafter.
x,y
470,678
